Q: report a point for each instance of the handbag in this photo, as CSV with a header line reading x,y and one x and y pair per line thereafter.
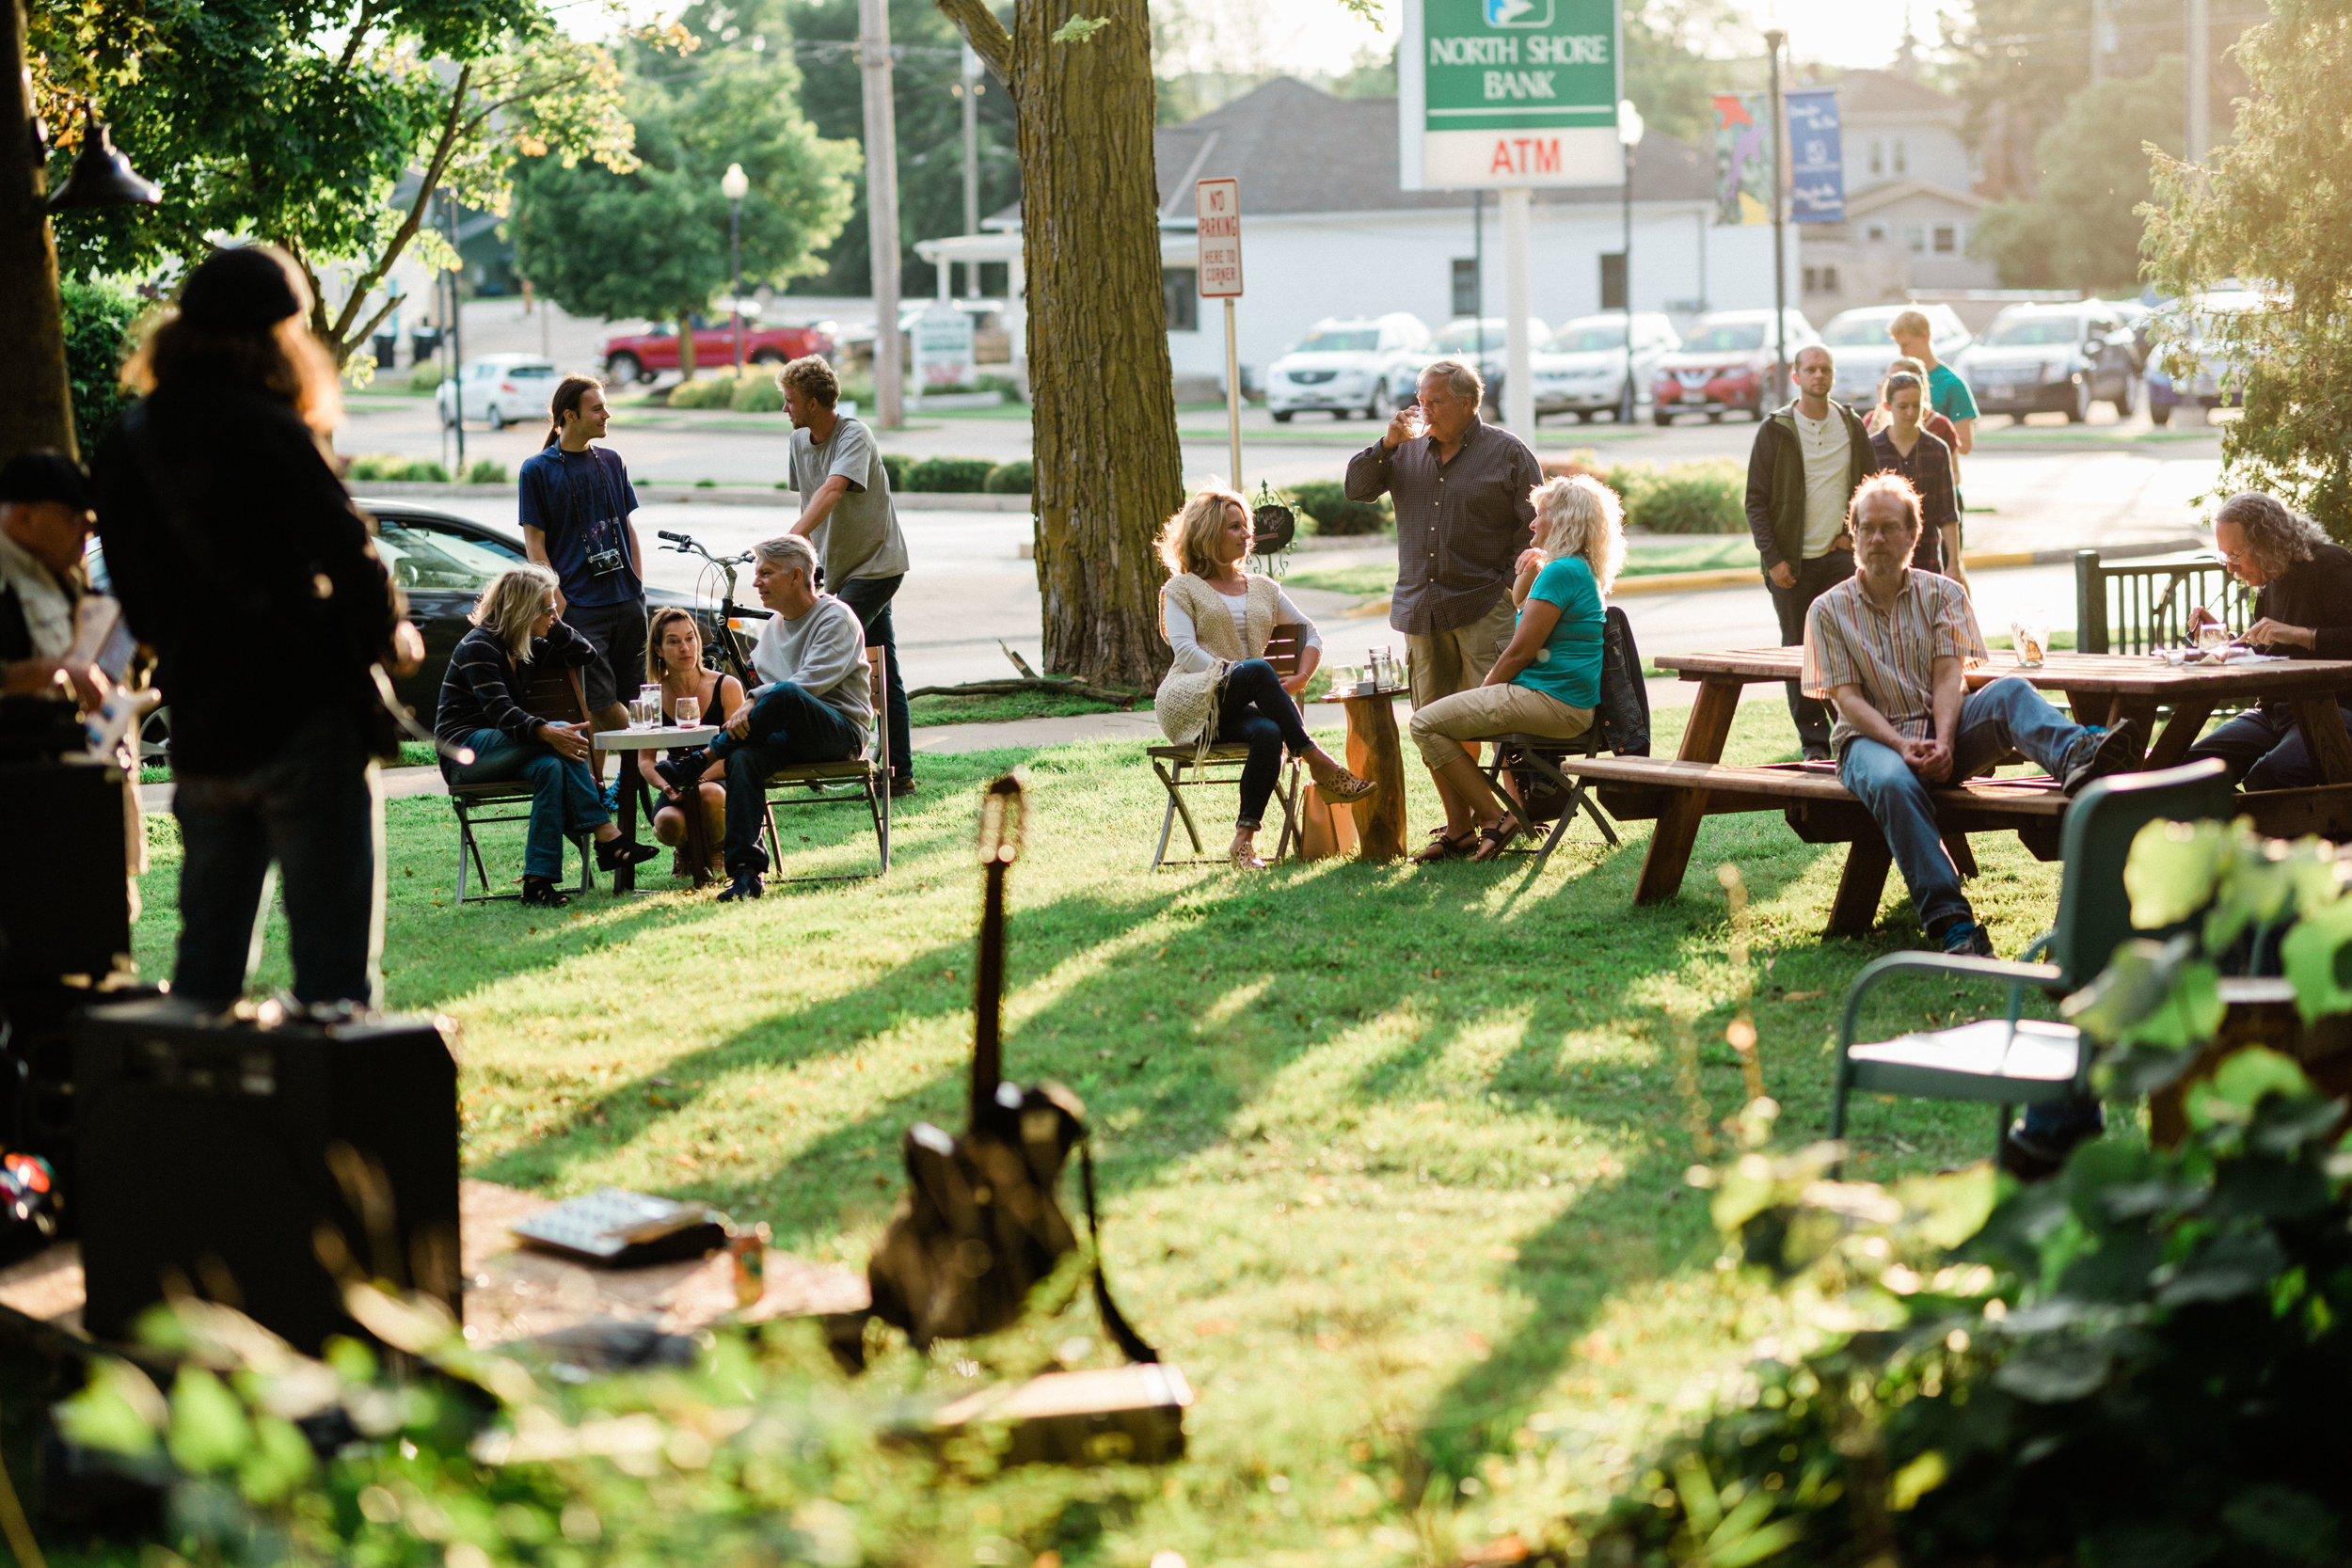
x,y
982,1223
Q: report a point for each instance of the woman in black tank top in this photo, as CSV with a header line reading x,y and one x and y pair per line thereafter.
x,y
673,657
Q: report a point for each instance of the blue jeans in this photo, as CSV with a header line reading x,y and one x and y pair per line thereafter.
x,y
2265,750
565,799
316,812
1254,711
2007,714
870,598
788,727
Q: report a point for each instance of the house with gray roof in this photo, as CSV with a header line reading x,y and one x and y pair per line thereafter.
x,y
1911,201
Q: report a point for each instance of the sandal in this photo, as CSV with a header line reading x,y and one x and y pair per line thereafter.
x,y
1493,841
1344,788
1245,859
1440,847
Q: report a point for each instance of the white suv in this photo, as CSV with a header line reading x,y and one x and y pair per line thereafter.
x,y
1337,366
1584,369
1857,340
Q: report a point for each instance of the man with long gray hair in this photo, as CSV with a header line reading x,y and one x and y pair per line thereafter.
x,y
812,704
2302,583
1463,515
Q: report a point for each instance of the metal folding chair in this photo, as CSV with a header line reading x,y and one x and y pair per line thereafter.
x,y
1220,767
855,781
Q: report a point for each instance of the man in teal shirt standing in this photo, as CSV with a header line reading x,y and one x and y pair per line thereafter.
x,y
1947,394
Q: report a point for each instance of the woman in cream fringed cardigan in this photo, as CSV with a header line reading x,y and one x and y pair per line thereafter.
x,y
1218,618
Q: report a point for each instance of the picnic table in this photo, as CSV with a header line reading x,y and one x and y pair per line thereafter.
x,y
2101,688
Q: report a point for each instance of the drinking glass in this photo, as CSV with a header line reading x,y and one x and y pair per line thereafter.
x,y
649,703
1415,423
2212,635
2033,642
689,712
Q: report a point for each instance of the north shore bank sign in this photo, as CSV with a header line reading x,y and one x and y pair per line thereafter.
x,y
1508,92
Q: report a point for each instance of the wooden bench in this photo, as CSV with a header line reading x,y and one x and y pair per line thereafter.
x,y
1820,810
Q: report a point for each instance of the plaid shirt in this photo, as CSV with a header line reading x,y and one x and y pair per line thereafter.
x,y
1889,654
1460,526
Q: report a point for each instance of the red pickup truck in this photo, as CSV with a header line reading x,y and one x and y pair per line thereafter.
x,y
642,356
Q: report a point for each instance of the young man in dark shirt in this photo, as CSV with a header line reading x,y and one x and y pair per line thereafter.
x,y
2302,584
576,511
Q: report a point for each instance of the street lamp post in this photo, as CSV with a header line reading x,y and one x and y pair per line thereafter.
x,y
1628,138
734,186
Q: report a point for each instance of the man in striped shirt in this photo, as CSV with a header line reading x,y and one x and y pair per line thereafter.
x,y
1888,647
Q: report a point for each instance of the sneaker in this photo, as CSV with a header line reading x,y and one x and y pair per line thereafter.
x,y
543,894
611,796
1817,751
614,853
1968,940
744,884
2118,751
681,772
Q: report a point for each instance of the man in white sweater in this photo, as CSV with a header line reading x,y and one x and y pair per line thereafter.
x,y
813,704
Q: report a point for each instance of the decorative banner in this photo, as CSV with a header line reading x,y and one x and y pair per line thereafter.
x,y
1743,158
1495,94
1817,162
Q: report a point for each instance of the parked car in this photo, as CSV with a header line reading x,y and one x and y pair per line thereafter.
x,y
503,389
442,563
1583,370
2054,358
1726,364
1482,341
1858,339
1338,366
642,356
2216,381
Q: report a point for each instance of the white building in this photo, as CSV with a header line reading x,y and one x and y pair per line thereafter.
x,y
1325,232
1910,207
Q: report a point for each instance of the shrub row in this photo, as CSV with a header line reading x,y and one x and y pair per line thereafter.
x,y
752,392
1326,502
1704,496
957,476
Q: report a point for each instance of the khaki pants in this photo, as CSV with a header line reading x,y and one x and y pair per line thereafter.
x,y
1487,711
1445,662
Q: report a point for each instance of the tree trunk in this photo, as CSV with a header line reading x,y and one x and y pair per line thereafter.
x,y
1108,471
36,405
686,348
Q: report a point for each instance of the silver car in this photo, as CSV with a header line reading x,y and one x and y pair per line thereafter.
x,y
1582,371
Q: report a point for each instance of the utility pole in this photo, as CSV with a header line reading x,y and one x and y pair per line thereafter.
x,y
971,164
456,339
35,409
2199,141
881,208
1519,390
1773,42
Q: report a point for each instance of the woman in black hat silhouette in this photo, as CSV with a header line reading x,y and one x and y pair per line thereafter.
x,y
240,559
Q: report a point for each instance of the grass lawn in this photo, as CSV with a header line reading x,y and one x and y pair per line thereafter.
x,y
925,711
1392,1157
1641,559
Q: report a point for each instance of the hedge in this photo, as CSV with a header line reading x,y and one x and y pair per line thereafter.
x,y
385,465
757,393
713,391
960,476
1015,478
98,319
1326,502
896,465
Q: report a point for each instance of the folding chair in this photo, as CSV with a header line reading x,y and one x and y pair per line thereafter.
x,y
858,780
2009,1061
1221,766
554,694
1537,790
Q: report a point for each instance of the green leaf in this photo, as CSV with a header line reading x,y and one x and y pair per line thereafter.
x,y
2151,994
280,1460
2055,1371
2282,1521
1078,29
2317,958
209,1429
118,1411
2240,1083
2232,1267
1916,1479
2173,869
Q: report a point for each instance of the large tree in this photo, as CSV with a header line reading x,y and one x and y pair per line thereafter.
x,y
296,120
1105,425
2080,228
2268,208
653,240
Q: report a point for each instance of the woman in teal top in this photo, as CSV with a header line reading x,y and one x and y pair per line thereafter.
x,y
1547,681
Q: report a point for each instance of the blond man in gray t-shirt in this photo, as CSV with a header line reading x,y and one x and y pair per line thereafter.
x,y
846,516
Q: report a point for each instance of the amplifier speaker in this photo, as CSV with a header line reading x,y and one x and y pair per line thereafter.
x,y
224,1158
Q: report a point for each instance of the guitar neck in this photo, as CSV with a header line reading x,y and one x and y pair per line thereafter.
x,y
988,1065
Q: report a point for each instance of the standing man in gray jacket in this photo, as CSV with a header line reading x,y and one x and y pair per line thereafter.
x,y
1809,458
1462,517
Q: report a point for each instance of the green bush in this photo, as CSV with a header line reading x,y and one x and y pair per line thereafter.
x,y
1005,384
959,476
390,467
488,470
1335,516
424,376
713,391
756,393
1709,496
896,465
1015,478
98,319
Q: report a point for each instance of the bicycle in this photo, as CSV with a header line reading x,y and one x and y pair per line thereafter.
x,y
723,639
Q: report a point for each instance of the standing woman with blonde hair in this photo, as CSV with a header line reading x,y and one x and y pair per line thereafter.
x,y
1220,689
1547,681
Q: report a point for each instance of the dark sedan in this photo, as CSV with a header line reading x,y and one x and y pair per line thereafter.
x,y
442,563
